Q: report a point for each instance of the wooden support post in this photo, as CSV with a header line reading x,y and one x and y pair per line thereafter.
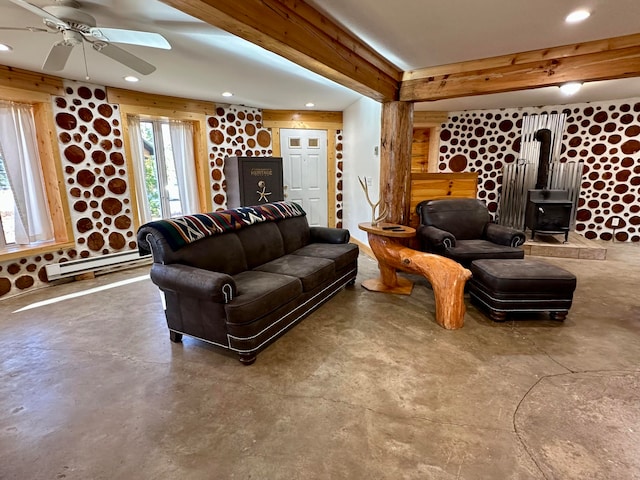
x,y
395,160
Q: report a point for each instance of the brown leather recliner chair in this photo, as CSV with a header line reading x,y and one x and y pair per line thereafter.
x,y
461,229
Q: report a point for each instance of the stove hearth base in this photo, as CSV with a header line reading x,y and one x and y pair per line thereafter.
x,y
577,247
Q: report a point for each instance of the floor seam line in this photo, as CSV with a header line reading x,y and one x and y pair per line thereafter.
x,y
372,410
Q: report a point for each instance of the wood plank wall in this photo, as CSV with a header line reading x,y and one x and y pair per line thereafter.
x,y
427,186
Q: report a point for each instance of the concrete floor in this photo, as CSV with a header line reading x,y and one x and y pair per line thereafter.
x,y
367,387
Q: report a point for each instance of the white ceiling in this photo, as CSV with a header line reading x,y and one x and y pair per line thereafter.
x,y
205,61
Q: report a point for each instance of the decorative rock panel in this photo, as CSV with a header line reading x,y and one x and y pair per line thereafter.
x,y
339,174
91,149
605,135
22,274
234,131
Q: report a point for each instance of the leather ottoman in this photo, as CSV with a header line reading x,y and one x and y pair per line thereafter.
x,y
502,286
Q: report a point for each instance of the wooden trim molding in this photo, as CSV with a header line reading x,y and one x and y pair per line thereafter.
x,y
332,186
160,105
52,172
311,120
429,119
364,248
39,83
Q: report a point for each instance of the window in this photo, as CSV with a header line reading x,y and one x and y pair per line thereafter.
x,y
160,170
7,209
165,167
24,210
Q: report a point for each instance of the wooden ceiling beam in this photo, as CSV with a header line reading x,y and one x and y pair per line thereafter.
x,y
296,31
590,61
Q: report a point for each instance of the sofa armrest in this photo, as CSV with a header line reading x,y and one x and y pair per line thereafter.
x,y
329,235
504,235
434,238
195,282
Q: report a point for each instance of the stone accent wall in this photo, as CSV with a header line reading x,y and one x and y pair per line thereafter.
x,y
17,276
235,131
95,171
606,135
339,173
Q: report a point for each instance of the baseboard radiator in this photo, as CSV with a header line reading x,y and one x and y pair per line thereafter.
x,y
100,264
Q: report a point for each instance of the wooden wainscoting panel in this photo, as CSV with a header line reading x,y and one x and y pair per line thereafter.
x,y
420,150
427,186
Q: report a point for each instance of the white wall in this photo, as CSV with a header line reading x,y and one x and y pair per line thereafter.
x,y
361,125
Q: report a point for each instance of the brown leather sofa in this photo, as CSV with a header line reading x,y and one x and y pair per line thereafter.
x,y
240,278
461,229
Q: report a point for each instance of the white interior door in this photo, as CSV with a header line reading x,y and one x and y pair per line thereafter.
x,y
304,169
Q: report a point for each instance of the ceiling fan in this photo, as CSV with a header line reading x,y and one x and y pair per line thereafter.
x,y
77,26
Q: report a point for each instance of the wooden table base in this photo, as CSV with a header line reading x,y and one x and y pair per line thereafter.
x,y
402,287
447,277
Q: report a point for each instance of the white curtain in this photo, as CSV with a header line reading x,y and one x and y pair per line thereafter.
x,y
182,145
22,162
137,152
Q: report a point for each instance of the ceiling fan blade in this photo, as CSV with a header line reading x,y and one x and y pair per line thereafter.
x,y
133,37
58,56
28,29
41,13
124,57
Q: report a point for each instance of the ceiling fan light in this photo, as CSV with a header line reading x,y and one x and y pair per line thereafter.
x,y
577,16
5,48
309,104
131,78
570,88
227,94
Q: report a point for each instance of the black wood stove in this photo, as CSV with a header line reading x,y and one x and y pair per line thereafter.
x,y
548,211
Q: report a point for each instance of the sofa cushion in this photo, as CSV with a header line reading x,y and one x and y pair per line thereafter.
x,y
311,271
342,254
260,293
295,233
262,243
220,253
467,250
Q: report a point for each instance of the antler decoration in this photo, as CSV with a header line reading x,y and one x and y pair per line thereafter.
x,y
381,212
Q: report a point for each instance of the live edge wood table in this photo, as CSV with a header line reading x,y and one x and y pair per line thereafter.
x,y
447,277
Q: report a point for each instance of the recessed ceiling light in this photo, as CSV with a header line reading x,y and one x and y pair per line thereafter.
x,y
131,78
310,104
570,88
5,48
577,16
227,94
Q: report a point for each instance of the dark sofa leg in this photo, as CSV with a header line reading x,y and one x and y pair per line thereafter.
x,y
559,316
498,316
175,336
247,358
351,282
